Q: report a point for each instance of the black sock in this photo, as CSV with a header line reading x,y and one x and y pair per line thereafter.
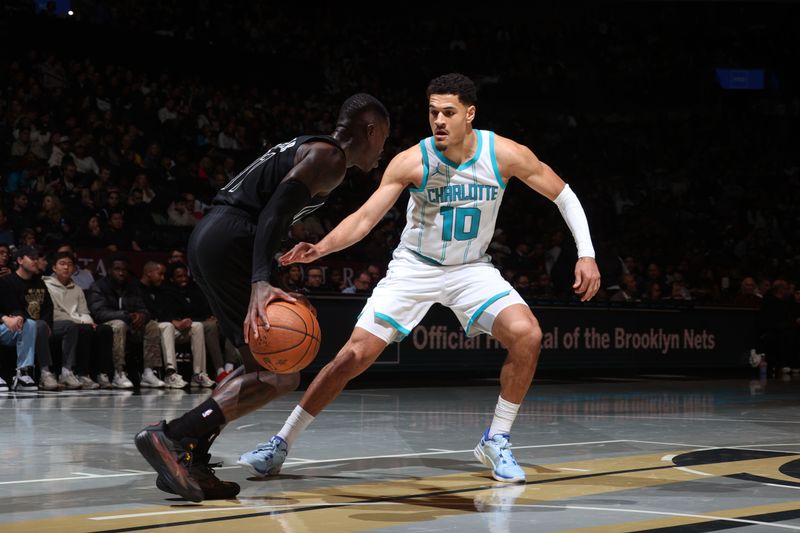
x,y
204,419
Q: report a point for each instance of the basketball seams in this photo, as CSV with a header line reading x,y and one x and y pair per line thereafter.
x,y
302,358
285,306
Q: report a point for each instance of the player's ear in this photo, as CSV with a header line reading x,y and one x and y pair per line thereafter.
x,y
470,114
370,130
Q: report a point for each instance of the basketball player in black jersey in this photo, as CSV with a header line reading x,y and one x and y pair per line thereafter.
x,y
231,253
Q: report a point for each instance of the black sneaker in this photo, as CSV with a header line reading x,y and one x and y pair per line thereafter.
x,y
203,472
171,459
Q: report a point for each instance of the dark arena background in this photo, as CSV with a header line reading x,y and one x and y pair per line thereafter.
x,y
669,402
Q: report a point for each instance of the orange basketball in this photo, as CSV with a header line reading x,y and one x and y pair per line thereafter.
x,y
292,340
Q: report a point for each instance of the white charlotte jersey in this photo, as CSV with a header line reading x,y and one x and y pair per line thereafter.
x,y
451,217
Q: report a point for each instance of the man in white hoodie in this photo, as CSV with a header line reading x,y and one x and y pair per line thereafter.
x,y
85,345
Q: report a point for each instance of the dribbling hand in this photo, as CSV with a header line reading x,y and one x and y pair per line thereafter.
x,y
587,278
303,252
261,294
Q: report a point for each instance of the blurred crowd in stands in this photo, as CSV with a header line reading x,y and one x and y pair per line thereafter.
x,y
690,190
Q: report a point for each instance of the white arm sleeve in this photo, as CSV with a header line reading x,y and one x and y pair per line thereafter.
x,y
572,212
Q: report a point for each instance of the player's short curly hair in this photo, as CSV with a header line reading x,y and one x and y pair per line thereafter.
x,y
456,84
361,105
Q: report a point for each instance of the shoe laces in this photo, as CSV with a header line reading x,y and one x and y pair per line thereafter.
x,y
265,447
503,447
204,467
501,442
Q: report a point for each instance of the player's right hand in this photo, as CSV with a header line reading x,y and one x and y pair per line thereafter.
x,y
303,252
261,295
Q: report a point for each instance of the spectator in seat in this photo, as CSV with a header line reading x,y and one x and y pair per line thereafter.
x,y
314,280
174,326
84,345
27,313
747,297
117,302
361,285
5,257
185,291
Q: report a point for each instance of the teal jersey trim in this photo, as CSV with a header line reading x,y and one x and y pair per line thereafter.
x,y
494,162
393,322
483,307
475,203
424,168
462,166
421,227
444,243
426,259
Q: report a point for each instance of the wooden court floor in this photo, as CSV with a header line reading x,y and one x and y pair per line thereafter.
x,y
647,453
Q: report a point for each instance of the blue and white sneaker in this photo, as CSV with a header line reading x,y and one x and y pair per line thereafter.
x,y
496,454
267,459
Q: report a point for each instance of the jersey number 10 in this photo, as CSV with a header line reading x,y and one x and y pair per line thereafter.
x,y
460,215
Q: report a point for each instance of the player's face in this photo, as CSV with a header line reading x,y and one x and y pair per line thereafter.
x,y
449,119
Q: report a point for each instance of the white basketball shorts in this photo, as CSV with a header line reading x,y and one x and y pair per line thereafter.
x,y
476,293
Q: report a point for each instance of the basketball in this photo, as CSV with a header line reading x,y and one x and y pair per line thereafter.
x,y
292,340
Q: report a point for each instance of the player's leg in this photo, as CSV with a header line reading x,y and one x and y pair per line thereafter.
x,y
220,257
518,330
220,253
358,354
484,302
241,393
397,304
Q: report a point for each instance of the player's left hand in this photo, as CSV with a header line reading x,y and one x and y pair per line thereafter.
x,y
587,278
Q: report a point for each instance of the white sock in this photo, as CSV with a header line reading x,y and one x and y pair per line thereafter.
x,y
228,367
504,415
295,424
220,370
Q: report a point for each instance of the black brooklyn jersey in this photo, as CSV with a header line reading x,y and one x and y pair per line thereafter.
x,y
252,188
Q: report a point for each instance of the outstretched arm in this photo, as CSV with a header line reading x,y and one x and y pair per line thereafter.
x,y
517,160
401,172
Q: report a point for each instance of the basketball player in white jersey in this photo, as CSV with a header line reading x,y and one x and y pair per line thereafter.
x,y
456,180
